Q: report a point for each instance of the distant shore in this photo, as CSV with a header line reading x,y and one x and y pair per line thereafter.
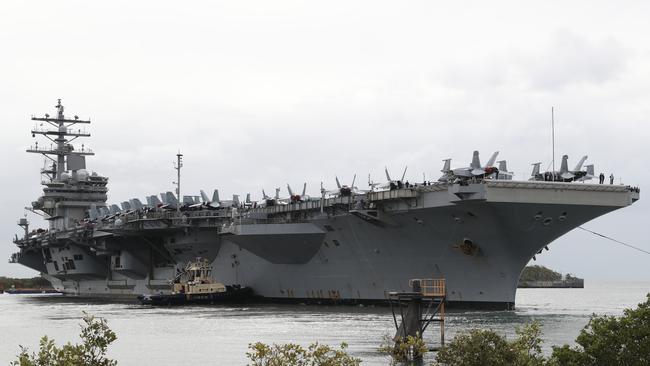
x,y
542,277
25,285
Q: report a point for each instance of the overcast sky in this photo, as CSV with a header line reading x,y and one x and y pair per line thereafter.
x,y
258,94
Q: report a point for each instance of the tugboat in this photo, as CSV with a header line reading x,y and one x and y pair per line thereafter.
x,y
194,285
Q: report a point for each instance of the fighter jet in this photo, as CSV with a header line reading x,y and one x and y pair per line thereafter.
x,y
272,201
169,200
392,184
136,204
298,197
210,203
154,202
473,170
564,174
576,174
342,190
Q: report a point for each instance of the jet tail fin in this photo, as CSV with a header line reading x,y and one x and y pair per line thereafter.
x,y
579,165
289,189
115,209
235,199
447,167
215,196
136,204
536,167
304,189
564,168
171,199
493,158
476,162
502,166
153,201
338,184
204,197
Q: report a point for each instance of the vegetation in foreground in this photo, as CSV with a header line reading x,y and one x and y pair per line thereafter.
x,y
605,340
403,350
295,355
95,335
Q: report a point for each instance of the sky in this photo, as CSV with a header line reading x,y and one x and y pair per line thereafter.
x,y
258,94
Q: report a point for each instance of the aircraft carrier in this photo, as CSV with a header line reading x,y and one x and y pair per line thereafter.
x,y
475,227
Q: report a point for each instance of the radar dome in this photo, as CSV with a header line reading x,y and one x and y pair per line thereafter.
x,y
82,174
65,176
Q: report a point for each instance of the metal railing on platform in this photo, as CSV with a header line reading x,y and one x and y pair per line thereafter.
x,y
431,287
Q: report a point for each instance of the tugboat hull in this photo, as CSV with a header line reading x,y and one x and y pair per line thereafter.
x,y
233,294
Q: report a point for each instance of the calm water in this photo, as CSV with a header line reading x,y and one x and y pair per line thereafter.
x,y
219,335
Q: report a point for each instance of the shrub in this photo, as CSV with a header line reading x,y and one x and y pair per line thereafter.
x,y
409,349
96,336
480,347
608,340
295,355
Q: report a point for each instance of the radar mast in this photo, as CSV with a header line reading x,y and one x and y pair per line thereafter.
x,y
61,152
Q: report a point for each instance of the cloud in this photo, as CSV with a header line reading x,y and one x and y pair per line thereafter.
x,y
571,59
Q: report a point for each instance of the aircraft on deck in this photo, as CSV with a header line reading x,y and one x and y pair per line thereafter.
x,y
392,184
564,174
293,197
474,170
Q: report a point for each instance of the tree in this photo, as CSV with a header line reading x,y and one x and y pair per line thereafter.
x,y
295,355
608,340
539,273
403,350
96,336
480,347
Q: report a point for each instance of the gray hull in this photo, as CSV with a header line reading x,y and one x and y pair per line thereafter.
x,y
479,242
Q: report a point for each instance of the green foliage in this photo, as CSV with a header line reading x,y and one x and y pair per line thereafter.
x,y
481,347
36,282
539,273
609,340
96,336
413,348
295,355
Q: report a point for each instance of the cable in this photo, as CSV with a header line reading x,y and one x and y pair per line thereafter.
x,y
614,240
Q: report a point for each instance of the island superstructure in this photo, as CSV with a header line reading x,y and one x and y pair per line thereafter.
x,y
476,227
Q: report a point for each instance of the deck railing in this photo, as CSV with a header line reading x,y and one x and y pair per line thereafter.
x,y
433,287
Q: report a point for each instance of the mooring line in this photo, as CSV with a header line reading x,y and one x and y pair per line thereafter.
x,y
614,240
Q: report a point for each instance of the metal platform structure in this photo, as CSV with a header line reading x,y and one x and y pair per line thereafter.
x,y
425,305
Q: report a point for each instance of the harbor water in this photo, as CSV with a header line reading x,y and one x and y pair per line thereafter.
x,y
219,335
